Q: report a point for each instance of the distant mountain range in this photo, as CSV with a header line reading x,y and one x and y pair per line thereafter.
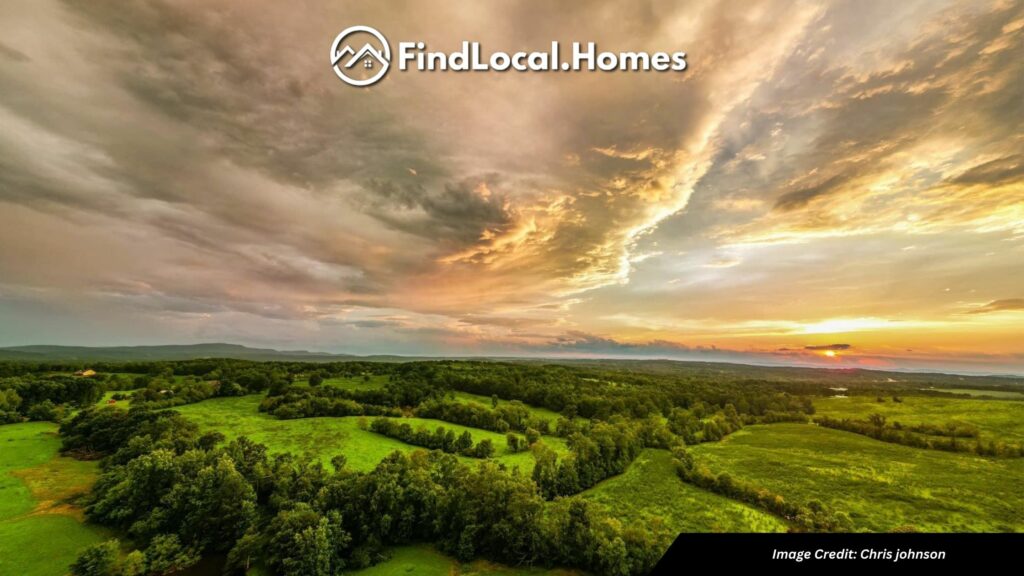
x,y
165,352
689,368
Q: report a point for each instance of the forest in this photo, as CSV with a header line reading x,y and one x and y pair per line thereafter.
x,y
513,463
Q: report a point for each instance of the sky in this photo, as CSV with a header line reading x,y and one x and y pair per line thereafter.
x,y
835,184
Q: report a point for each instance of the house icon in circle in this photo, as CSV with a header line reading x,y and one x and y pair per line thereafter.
x,y
367,54
375,61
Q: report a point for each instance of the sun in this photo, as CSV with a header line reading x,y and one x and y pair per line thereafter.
x,y
830,353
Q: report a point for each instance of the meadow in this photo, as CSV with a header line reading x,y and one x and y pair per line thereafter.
x,y
626,429
426,561
374,382
988,393
995,419
124,403
324,438
880,486
41,530
369,382
650,492
466,397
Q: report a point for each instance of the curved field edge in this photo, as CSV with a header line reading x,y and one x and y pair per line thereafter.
x,y
41,532
377,382
327,437
651,492
881,486
995,419
423,560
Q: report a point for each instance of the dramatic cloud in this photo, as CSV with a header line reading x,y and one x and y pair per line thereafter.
x,y
1000,305
833,347
998,171
174,170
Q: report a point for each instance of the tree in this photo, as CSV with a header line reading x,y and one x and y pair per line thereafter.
x,y
42,411
726,484
98,560
313,552
612,557
732,416
248,548
952,429
302,542
210,439
316,379
134,564
877,419
166,555
494,400
545,469
514,443
484,448
464,443
532,436
9,400
214,508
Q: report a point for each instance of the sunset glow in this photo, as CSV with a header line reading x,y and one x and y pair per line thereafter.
x,y
838,185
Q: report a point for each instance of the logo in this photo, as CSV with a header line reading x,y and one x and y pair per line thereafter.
x,y
360,56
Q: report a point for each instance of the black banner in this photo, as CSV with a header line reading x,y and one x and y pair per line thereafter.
x,y
885,552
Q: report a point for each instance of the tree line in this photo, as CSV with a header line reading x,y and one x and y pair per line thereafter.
x,y
812,516
45,397
606,450
303,403
443,439
506,416
592,393
177,495
952,437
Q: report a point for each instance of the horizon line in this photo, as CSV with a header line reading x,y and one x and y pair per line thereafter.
x,y
341,356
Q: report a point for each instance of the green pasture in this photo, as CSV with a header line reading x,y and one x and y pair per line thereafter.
x,y
650,492
1002,394
881,486
356,382
325,438
996,419
426,561
41,531
374,382
108,396
466,397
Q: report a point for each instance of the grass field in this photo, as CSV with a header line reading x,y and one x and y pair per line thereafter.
x,y
524,460
355,382
650,491
108,396
1004,394
358,383
40,530
544,413
325,438
881,486
996,419
426,561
